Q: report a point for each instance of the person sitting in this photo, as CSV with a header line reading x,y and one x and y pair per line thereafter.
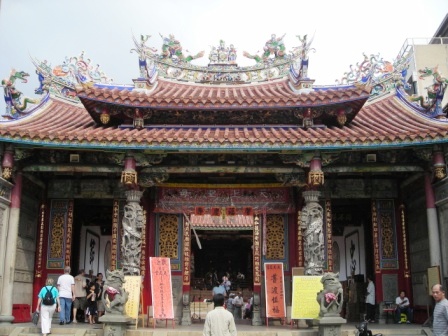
x,y
402,303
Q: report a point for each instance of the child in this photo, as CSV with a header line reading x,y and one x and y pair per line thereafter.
x,y
247,314
91,304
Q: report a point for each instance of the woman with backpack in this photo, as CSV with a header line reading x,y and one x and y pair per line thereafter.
x,y
46,305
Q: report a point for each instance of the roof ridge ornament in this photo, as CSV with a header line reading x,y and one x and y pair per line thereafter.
x,y
61,80
381,75
435,93
222,55
273,49
298,74
17,105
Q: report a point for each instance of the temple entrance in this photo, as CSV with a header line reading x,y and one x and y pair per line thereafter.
x,y
92,235
223,253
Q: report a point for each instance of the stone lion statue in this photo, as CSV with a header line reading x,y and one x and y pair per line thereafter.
x,y
330,298
116,295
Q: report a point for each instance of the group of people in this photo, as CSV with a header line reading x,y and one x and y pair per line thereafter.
x,y
85,294
235,303
403,307
240,307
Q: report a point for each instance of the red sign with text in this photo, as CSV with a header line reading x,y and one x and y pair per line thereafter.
x,y
162,297
275,290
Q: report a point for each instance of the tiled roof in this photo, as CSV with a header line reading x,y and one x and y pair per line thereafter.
x,y
170,94
387,121
216,222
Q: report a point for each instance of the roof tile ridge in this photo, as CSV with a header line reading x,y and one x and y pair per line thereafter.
x,y
382,124
377,131
409,126
186,92
418,116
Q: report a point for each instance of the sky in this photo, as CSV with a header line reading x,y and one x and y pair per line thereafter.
x,y
343,30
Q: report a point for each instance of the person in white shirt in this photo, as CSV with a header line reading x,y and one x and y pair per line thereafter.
x,y
237,306
402,303
370,300
66,287
219,322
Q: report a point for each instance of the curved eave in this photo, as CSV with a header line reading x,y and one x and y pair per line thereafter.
x,y
387,122
172,94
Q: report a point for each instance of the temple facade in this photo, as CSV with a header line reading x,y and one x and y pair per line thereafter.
x,y
223,168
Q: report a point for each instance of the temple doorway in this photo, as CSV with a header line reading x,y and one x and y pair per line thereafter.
x,y
223,253
92,236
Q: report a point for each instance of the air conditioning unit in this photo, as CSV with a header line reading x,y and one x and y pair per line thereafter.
x,y
74,158
371,158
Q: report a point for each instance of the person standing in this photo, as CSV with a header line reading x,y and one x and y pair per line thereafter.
x,y
80,294
402,303
47,311
370,300
100,291
229,303
237,306
91,307
440,315
227,284
219,322
66,287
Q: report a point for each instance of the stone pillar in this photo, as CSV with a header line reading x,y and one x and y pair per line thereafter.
x,y
186,312
133,222
256,313
312,220
433,225
12,229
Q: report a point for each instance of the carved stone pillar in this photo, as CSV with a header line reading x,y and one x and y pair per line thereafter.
x,y
312,221
133,222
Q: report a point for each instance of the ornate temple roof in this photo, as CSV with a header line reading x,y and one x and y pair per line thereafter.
x,y
174,105
386,121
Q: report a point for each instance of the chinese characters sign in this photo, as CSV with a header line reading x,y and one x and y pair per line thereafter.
x,y
275,290
162,297
132,285
304,303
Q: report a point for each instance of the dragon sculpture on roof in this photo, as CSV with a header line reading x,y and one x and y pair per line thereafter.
x,y
436,92
16,103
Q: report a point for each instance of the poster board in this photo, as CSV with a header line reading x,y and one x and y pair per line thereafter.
x,y
433,277
132,285
304,293
161,289
274,290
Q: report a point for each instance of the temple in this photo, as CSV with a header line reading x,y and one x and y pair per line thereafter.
x,y
223,168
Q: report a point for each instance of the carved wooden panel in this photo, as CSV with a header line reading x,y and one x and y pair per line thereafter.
x,y
275,237
168,236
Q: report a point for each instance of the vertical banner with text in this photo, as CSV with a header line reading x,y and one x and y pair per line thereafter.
x,y
275,290
304,293
132,284
162,297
